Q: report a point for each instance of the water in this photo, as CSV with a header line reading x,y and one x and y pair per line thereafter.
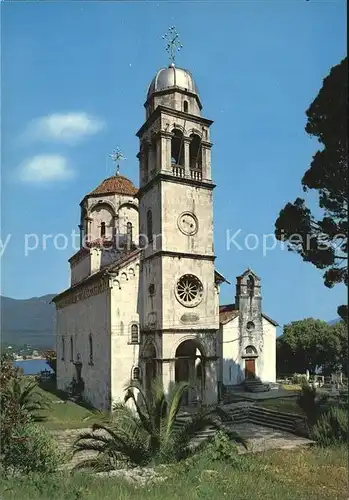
x,y
33,366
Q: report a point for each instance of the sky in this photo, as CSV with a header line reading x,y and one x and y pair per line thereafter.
x,y
74,81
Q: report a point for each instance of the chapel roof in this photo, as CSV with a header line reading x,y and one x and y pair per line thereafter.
x,y
229,312
116,184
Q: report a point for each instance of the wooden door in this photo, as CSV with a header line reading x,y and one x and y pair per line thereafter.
x,y
250,369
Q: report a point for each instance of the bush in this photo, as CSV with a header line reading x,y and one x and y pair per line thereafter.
x,y
31,449
299,378
332,427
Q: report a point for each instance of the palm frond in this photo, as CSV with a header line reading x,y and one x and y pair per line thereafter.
x,y
174,403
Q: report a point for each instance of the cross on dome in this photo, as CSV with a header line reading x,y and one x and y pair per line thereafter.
x,y
117,156
174,44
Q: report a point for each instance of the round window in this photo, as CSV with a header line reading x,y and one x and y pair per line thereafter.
x,y
250,326
189,290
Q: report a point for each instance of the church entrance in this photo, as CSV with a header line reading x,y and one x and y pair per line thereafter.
x,y
250,369
189,368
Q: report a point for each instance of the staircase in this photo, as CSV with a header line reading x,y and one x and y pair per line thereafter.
x,y
257,415
256,386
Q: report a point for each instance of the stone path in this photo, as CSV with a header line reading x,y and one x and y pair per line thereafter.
x,y
259,439
264,438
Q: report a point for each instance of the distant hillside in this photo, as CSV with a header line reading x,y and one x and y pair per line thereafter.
x,y
28,321
334,321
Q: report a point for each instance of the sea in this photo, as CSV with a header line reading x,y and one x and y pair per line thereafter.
x,y
32,366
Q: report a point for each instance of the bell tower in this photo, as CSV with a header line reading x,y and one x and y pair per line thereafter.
x,y
178,312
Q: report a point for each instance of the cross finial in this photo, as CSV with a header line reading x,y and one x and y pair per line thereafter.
x,y
173,43
117,156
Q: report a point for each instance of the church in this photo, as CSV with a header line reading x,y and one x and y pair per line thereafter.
x,y
143,300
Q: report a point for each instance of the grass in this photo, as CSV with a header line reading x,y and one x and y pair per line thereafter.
x,y
288,405
62,413
292,387
303,474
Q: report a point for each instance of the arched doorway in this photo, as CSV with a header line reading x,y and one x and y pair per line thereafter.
x,y
250,355
189,367
150,365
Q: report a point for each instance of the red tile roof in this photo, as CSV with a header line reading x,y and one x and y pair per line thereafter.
x,y
227,313
117,184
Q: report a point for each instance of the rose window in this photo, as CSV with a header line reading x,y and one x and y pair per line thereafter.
x,y
189,290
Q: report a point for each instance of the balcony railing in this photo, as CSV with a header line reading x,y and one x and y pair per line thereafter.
x,y
196,175
178,170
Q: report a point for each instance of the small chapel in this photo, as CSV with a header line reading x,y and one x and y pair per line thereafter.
x,y
143,300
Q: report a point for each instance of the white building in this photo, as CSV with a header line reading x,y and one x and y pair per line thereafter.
x,y
144,294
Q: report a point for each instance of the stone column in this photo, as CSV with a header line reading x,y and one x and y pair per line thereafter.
x,y
116,231
81,227
88,225
186,146
166,151
210,381
168,373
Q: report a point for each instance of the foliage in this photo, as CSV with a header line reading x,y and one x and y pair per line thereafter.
x,y
324,241
150,433
299,378
51,360
31,449
221,448
332,427
11,412
306,400
20,403
310,343
300,474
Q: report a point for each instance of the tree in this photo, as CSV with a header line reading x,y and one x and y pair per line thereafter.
x,y
311,343
51,360
323,241
19,402
151,432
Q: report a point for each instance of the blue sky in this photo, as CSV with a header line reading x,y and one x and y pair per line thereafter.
x,y
258,66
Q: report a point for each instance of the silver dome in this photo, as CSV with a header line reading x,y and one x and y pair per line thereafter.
x,y
170,77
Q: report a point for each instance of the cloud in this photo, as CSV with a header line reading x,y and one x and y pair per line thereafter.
x,y
43,169
67,128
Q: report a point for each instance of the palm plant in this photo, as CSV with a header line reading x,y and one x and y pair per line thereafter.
x,y
23,393
149,432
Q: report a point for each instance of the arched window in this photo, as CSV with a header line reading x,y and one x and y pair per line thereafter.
x,y
195,152
150,226
90,341
134,334
177,148
102,229
129,234
63,349
185,106
250,286
136,373
71,349
251,350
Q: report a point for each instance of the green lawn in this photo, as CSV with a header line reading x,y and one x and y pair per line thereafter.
x,y
304,474
288,405
64,414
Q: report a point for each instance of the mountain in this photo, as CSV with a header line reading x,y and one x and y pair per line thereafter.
x,y
334,321
28,321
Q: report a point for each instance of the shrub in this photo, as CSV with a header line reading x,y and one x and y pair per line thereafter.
x,y
31,449
222,449
332,427
299,378
311,405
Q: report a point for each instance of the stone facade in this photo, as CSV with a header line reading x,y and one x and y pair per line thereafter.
x,y
144,295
